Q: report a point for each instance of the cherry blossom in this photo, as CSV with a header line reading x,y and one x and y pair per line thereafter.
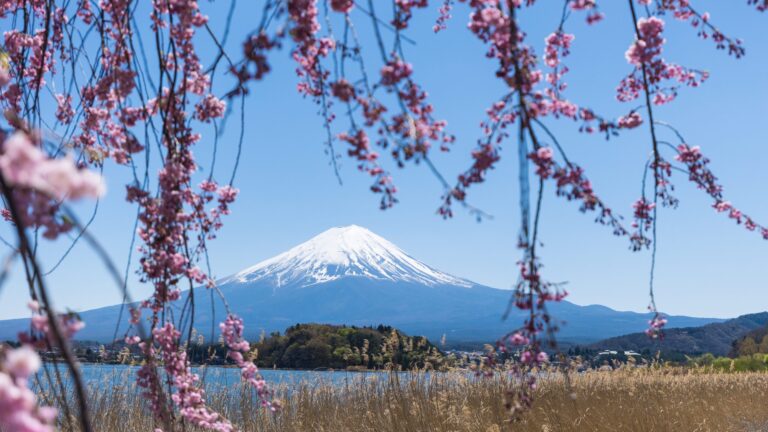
x,y
444,17
343,6
232,333
630,121
656,326
645,55
593,15
24,165
19,410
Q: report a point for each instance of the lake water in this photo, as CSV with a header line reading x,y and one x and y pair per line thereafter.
x,y
107,376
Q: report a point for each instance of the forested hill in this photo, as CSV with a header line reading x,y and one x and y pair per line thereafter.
x,y
312,346
716,338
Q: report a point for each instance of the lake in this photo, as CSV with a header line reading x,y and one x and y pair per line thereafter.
x,y
215,377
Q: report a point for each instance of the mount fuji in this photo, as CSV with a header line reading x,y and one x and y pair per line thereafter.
x,y
349,275
346,252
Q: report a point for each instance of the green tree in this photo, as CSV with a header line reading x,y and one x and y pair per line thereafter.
x,y
313,354
309,346
763,348
748,347
704,360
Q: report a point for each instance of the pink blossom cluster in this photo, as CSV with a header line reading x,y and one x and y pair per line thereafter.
x,y
40,184
232,333
662,171
484,158
643,220
542,158
656,325
210,107
558,45
64,111
532,294
645,55
699,173
413,129
572,184
309,49
342,6
518,69
42,335
698,168
630,121
501,115
762,5
343,90
39,211
148,379
394,71
28,48
166,226
106,111
372,110
529,353
683,11
24,165
404,11
37,7
177,210
189,397
534,357
69,324
517,339
444,16
648,46
254,66
178,219
570,181
410,133
517,62
593,15
588,119
551,103
19,410
182,18
360,150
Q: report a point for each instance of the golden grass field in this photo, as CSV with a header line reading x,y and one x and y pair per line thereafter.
x,y
623,400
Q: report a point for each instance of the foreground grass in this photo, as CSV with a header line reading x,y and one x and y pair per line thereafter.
x,y
624,400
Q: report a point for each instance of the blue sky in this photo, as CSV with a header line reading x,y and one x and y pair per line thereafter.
x,y
707,266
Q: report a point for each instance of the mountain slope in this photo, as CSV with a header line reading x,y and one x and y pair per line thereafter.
x,y
351,276
715,338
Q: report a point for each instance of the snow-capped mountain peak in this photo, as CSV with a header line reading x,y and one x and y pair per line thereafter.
x,y
350,251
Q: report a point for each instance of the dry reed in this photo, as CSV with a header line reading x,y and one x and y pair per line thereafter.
x,y
623,400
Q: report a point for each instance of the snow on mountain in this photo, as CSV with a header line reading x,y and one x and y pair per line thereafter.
x,y
344,252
